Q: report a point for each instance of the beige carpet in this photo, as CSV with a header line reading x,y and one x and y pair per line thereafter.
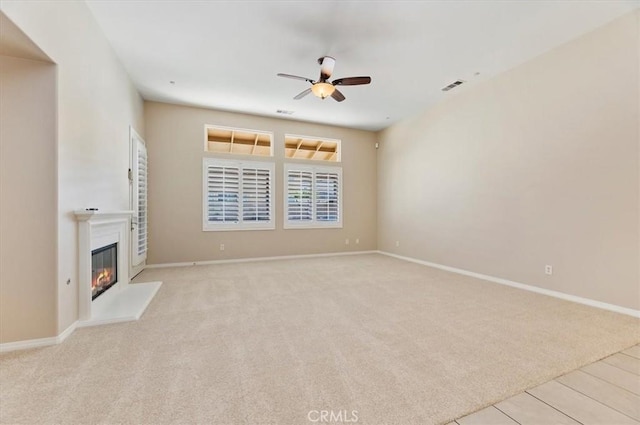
x,y
268,342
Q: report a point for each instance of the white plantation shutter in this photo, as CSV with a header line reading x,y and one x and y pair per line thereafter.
x,y
142,200
313,196
256,195
299,196
327,196
223,194
139,199
237,195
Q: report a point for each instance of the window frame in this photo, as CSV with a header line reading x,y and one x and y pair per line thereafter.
x,y
207,127
338,153
208,226
313,223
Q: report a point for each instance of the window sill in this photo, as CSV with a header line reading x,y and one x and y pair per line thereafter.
x,y
287,226
237,229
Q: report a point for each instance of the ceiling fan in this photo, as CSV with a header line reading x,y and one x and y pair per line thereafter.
x,y
323,88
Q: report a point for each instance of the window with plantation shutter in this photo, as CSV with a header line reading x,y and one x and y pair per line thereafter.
x,y
237,195
313,196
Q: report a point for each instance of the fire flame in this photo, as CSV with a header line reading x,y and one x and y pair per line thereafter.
x,y
102,277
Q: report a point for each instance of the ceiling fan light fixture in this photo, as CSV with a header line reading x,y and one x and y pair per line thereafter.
x,y
323,90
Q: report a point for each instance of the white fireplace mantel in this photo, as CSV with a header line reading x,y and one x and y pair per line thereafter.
x,y
123,301
97,215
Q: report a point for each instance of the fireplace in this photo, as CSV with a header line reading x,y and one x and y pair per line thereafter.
x,y
105,294
104,269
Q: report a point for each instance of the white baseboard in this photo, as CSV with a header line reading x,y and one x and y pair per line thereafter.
x,y
248,260
39,342
67,332
549,292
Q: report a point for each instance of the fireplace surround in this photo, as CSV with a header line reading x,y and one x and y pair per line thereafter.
x,y
104,243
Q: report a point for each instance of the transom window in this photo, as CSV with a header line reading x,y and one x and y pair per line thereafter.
x,y
314,148
313,196
238,141
237,195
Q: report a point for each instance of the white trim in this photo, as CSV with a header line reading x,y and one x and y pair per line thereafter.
x,y
252,259
39,342
87,214
67,332
549,292
29,343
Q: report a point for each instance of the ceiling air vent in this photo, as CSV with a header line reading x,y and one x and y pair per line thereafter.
x,y
452,85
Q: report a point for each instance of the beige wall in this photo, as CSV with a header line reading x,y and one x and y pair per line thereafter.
x,y
27,199
96,104
536,166
175,142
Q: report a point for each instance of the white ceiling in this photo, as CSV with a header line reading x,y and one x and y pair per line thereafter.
x,y
226,54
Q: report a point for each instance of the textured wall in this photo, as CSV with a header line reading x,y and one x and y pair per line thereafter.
x,y
537,166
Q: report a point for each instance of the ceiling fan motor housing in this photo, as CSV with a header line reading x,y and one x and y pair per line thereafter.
x,y
326,67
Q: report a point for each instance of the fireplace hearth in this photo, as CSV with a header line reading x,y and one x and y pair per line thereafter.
x,y
104,269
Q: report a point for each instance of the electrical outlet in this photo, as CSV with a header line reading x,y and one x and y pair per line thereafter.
x,y
357,241
397,244
221,247
346,241
548,269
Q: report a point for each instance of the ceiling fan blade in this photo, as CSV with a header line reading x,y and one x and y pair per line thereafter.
x,y
337,95
351,81
326,67
296,77
302,94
